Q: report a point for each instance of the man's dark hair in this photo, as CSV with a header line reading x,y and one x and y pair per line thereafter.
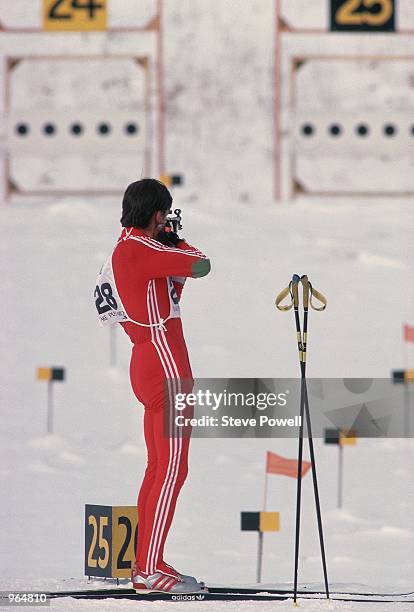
x,y
141,200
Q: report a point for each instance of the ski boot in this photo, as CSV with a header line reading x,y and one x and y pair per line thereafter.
x,y
170,571
159,582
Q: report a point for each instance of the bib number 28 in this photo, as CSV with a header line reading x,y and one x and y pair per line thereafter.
x,y
105,300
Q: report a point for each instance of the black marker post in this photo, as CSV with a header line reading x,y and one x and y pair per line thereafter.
x,y
50,375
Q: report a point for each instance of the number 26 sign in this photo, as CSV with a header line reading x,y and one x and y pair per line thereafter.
x,y
75,15
363,15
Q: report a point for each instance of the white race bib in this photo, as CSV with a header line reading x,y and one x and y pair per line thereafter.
x,y
109,305
107,301
172,294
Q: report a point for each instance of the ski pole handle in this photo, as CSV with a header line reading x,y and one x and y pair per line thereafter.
x,y
295,290
306,287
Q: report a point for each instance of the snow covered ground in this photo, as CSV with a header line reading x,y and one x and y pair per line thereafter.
x,y
359,253
97,454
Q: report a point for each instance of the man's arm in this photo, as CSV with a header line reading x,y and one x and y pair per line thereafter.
x,y
179,281
159,261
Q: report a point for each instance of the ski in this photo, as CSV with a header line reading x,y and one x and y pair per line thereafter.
x,y
231,594
131,594
305,591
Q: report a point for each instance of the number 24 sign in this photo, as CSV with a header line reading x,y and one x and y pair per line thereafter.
x,y
75,15
363,15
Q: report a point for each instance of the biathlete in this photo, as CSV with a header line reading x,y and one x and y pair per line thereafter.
x,y
140,286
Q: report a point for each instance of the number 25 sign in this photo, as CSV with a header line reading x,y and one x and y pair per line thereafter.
x,y
363,15
111,534
75,15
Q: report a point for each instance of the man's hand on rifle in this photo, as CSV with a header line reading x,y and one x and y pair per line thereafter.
x,y
168,237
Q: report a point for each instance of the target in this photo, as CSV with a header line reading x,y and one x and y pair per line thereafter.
x,y
82,111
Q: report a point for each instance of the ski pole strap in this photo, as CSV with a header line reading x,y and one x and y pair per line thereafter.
x,y
318,296
282,295
308,293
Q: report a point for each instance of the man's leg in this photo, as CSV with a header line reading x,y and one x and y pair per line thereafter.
x,y
171,471
148,480
181,477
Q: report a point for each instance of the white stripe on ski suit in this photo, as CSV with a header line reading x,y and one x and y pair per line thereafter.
x,y
175,443
157,246
167,376
177,430
170,470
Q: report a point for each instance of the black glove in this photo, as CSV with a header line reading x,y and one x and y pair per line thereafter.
x,y
168,238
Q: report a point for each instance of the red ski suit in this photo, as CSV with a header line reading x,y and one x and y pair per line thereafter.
x,y
149,278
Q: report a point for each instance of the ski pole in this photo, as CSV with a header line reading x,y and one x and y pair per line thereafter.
x,y
295,292
308,292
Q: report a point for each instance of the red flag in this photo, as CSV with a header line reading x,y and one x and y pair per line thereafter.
x,y
408,331
275,464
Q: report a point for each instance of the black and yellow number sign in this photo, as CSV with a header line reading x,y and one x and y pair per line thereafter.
x,y
363,15
77,15
110,540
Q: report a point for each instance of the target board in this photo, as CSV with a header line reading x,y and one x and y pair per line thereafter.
x,y
82,98
344,73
